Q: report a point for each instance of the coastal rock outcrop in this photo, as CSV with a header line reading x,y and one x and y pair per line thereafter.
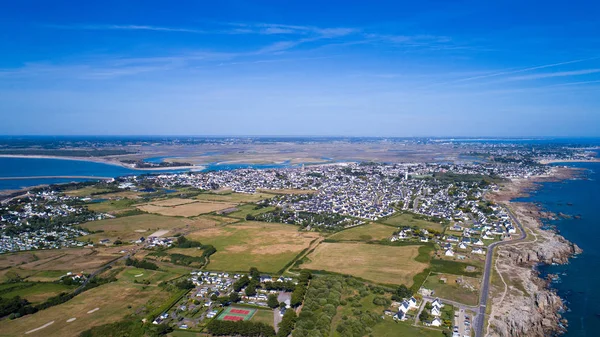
x,y
523,304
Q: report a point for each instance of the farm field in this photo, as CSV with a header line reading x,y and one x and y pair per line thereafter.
x,y
406,219
233,197
377,263
266,246
187,209
105,304
368,232
49,263
135,226
466,290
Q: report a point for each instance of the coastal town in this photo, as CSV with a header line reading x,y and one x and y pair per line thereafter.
x,y
170,230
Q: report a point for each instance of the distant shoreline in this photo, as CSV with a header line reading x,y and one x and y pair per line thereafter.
x,y
556,161
103,161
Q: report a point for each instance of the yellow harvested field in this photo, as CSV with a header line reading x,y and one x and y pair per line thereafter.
x,y
105,304
133,227
267,246
186,210
377,263
233,197
171,202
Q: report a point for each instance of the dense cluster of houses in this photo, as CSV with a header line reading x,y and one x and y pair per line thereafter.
x,y
367,191
19,232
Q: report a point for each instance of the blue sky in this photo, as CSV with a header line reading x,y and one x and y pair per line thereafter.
x,y
418,68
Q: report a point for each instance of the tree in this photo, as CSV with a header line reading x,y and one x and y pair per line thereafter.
x,y
254,273
287,323
234,297
282,305
402,292
272,301
250,290
424,316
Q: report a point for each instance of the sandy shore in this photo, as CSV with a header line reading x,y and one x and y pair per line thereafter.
x,y
104,161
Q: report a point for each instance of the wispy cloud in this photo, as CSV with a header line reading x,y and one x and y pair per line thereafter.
x,y
129,27
554,74
509,72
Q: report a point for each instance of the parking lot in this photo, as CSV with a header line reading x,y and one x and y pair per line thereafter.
x,y
462,324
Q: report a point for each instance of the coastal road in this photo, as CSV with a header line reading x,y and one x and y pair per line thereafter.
x,y
485,283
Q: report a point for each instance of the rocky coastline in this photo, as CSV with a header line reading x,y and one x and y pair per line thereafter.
x,y
522,302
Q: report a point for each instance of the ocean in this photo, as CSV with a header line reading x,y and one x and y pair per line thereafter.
x,y
578,283
39,170
34,168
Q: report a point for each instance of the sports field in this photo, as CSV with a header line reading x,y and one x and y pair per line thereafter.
x,y
377,263
266,246
185,208
105,304
407,219
236,314
368,232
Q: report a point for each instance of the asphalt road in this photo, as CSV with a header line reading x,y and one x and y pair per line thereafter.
x,y
485,283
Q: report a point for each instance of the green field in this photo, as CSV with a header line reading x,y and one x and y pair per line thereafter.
x,y
368,232
389,327
233,197
134,275
454,267
263,316
111,205
35,292
466,290
266,246
244,210
407,219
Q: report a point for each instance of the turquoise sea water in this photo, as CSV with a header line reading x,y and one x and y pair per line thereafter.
x,y
579,281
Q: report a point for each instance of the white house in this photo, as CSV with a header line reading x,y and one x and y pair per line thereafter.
x,y
436,322
404,306
449,252
478,251
413,302
462,245
435,311
437,303
479,242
